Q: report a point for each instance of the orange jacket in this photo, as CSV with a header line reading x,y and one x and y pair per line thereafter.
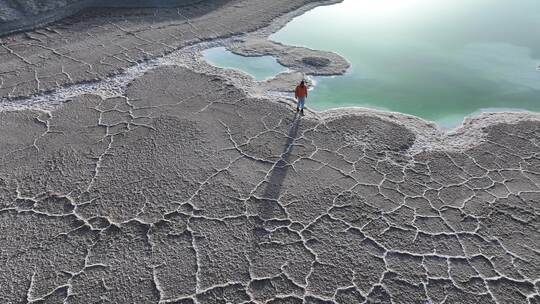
x,y
301,91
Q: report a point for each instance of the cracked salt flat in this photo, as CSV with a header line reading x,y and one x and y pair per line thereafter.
x,y
395,222
250,204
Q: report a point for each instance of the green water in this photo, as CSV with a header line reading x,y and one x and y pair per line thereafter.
x,y
260,68
440,60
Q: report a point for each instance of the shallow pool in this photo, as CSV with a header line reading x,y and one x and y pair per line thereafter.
x,y
437,59
260,68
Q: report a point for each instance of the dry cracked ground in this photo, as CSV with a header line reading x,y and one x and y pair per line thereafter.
x,y
187,189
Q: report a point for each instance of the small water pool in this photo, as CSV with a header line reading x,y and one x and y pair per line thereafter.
x,y
440,60
260,68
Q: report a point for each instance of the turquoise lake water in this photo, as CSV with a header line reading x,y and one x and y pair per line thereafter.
x,y
437,59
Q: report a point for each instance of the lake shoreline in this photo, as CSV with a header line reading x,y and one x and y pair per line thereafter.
x,y
474,79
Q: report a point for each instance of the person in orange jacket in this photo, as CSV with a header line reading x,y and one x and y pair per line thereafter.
x,y
301,94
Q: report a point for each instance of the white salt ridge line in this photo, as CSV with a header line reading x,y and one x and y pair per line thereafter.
x,y
114,86
106,88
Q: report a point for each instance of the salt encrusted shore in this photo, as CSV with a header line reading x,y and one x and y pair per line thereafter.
x,y
141,174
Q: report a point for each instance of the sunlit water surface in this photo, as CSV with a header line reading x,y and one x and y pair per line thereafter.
x,y
437,59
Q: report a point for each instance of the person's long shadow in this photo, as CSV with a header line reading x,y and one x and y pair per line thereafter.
x,y
274,185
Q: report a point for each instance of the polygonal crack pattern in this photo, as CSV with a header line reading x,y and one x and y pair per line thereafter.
x,y
177,194
172,194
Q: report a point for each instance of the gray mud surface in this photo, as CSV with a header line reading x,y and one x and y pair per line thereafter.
x,y
191,187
